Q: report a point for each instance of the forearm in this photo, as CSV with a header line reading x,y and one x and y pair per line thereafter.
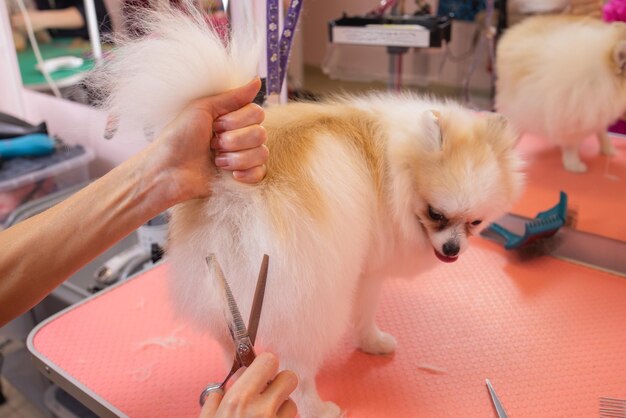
x,y
40,253
69,18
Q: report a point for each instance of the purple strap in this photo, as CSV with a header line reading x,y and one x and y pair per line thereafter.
x,y
278,49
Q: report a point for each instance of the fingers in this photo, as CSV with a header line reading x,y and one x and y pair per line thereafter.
x,y
259,391
280,388
287,410
241,139
251,175
242,160
211,404
255,378
233,99
250,114
17,21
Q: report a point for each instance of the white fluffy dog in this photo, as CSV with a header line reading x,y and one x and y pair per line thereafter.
x,y
563,78
357,189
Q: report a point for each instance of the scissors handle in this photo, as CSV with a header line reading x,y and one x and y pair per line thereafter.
x,y
244,350
213,387
245,355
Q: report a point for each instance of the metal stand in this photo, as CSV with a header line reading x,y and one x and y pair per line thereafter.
x,y
395,59
395,66
3,398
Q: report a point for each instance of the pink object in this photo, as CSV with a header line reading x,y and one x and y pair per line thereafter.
x,y
548,334
12,199
618,127
614,10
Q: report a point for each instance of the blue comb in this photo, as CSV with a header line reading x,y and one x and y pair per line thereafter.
x,y
545,224
31,145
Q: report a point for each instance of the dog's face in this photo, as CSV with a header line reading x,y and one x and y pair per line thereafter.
x,y
468,176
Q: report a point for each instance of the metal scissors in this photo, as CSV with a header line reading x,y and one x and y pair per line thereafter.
x,y
243,337
496,401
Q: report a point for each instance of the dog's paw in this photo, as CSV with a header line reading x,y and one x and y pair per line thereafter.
x,y
379,343
575,166
571,160
607,148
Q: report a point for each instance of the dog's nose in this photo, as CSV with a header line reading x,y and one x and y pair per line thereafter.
x,y
451,249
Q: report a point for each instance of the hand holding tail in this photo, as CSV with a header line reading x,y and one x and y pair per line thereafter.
x,y
227,123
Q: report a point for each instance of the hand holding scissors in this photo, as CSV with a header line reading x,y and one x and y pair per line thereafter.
x,y
252,396
259,391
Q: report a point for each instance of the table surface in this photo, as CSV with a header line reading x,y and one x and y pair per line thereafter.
x,y
548,334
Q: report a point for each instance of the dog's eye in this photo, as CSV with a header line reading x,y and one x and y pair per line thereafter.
x,y
477,222
434,215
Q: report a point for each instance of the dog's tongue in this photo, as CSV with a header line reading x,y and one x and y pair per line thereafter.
x,y
445,258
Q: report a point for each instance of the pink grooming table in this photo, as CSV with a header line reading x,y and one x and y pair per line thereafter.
x,y
548,334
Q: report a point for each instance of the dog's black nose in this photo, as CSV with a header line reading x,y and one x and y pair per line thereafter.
x,y
451,249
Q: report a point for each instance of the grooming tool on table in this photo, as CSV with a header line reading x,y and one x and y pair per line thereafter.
x,y
32,145
11,127
243,337
496,401
612,408
60,63
545,224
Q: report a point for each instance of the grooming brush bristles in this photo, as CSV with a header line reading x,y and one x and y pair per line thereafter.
x,y
539,248
571,218
237,320
613,408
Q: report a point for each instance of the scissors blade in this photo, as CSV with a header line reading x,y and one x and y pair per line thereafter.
x,y
257,302
236,326
496,401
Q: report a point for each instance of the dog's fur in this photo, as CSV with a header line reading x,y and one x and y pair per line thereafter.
x,y
344,204
563,78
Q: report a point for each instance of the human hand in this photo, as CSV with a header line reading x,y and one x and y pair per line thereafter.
x,y
228,124
251,396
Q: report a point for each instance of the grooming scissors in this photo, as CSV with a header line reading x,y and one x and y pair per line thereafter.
x,y
243,337
496,401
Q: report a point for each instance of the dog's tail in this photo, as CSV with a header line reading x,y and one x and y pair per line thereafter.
x,y
179,57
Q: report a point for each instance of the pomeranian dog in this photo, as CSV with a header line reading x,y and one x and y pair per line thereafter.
x,y
563,78
357,189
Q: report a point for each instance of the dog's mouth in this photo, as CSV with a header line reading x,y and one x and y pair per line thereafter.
x,y
445,258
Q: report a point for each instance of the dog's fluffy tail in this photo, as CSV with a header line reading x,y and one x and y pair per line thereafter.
x,y
179,58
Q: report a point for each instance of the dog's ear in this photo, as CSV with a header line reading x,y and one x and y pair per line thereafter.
x,y
619,57
500,132
431,122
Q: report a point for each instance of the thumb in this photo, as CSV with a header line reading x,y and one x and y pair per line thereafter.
x,y
211,404
232,100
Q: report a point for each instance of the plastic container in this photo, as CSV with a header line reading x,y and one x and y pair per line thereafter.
x,y
63,405
19,190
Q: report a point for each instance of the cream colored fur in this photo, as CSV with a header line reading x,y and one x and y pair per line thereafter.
x,y
563,78
344,205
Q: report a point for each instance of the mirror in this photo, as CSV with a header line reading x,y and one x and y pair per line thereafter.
x,y
570,99
56,35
